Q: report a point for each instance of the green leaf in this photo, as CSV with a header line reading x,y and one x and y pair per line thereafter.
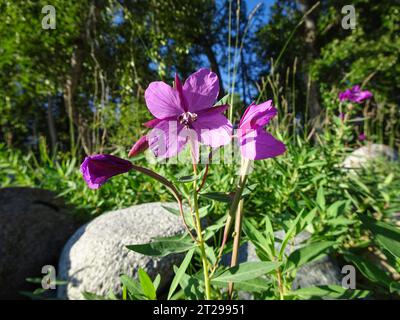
x,y
361,185
394,287
249,189
223,101
386,235
253,285
211,230
341,221
306,254
203,211
157,281
313,164
329,291
336,208
132,286
289,234
321,198
180,272
92,296
210,254
171,210
217,196
369,270
186,179
161,248
258,239
191,286
246,271
147,285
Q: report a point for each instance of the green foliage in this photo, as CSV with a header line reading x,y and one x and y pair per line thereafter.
x,y
349,213
246,271
163,247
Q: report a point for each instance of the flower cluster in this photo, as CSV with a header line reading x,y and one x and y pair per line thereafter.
x,y
186,114
355,94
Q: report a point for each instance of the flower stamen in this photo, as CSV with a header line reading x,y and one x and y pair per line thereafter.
x,y
187,118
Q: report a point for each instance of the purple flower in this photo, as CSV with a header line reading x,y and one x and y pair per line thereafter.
x,y
362,136
255,143
342,116
141,145
186,113
97,169
355,95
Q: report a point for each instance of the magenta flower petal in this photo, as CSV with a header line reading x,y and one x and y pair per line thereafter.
x,y
213,110
254,142
97,169
355,94
141,145
201,90
167,139
178,87
259,144
258,115
152,123
213,128
185,113
363,95
162,100
362,136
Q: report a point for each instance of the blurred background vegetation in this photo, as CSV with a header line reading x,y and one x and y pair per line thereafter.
x,y
78,89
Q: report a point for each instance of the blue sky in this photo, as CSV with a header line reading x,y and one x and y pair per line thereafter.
x,y
266,4
251,4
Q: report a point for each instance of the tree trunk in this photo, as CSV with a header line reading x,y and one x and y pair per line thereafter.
x,y
311,54
70,85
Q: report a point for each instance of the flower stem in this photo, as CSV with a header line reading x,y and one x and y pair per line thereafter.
x,y
237,207
280,284
202,246
200,240
236,242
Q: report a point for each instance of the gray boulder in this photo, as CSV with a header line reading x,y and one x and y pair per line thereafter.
x,y
34,227
362,156
96,254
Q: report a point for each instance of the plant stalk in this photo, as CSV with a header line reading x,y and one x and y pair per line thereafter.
x,y
237,207
200,240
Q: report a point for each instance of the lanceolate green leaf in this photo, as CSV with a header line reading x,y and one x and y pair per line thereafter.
x,y
192,286
253,285
180,272
156,281
258,239
386,235
246,271
133,286
306,254
369,270
147,285
186,179
217,196
329,291
394,287
224,100
321,198
91,296
289,234
163,247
